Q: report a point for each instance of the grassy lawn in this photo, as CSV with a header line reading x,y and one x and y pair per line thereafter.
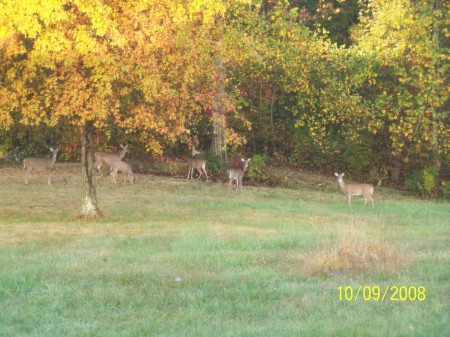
x,y
178,258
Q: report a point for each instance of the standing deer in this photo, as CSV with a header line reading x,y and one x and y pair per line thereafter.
x,y
103,157
122,167
366,190
237,173
199,164
40,164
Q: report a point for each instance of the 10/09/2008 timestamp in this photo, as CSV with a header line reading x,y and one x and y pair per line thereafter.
x,y
376,293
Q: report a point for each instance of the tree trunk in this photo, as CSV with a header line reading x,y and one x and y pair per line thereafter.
x,y
218,141
435,116
89,206
396,169
219,115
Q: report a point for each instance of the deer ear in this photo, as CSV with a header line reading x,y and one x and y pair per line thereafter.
x,y
242,159
343,174
335,173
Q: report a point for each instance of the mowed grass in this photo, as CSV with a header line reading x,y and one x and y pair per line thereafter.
x,y
178,258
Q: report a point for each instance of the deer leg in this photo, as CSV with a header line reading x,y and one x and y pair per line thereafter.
x,y
349,197
199,171
27,172
230,184
371,200
50,176
189,173
113,176
206,174
98,168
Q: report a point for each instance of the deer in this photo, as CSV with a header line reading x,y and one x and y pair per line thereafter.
x,y
40,164
366,190
123,167
199,164
103,157
237,173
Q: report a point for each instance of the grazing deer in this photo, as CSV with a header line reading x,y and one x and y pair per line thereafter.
x,y
199,164
237,174
40,164
103,157
366,190
122,167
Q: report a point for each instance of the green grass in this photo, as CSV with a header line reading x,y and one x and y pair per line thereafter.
x,y
178,258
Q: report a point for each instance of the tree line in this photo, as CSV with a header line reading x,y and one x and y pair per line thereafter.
x,y
356,86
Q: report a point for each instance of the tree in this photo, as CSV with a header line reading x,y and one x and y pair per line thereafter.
x,y
59,69
139,65
272,56
406,47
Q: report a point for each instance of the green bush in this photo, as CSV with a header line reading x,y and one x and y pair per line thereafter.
x,y
256,169
414,181
213,163
305,152
422,181
358,157
429,180
259,173
446,189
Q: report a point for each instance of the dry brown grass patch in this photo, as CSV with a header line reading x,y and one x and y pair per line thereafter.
x,y
355,253
358,249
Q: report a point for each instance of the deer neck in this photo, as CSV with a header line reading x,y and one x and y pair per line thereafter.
x,y
122,154
53,161
343,185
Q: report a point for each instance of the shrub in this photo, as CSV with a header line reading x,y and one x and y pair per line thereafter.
x,y
213,163
423,181
413,181
429,175
446,189
305,152
358,157
256,169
